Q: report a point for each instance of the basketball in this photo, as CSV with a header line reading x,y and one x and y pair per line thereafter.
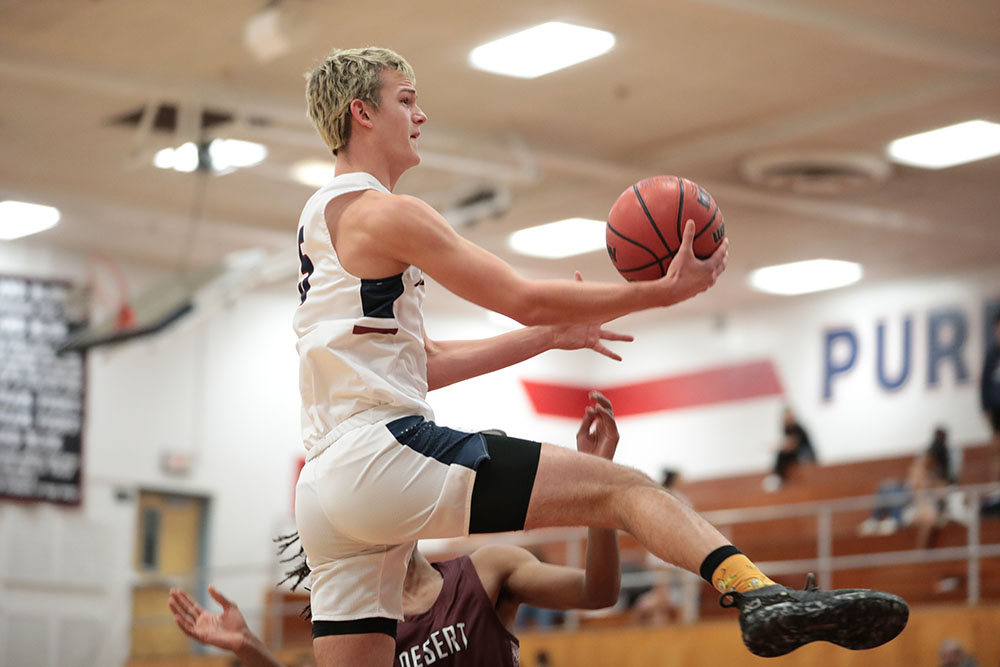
x,y
647,221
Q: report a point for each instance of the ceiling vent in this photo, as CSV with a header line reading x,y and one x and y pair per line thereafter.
x,y
819,172
167,116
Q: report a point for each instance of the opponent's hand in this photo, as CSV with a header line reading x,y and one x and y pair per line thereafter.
x,y
586,335
226,630
598,433
687,275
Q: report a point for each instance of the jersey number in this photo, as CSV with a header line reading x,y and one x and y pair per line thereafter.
x,y
306,268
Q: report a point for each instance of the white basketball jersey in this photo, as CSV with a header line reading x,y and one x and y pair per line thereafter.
x,y
360,341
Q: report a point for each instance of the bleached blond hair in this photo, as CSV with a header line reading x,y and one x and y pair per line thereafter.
x,y
347,75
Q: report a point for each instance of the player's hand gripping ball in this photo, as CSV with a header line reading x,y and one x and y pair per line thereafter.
x,y
646,224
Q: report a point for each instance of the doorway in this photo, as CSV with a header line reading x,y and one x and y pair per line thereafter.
x,y
169,552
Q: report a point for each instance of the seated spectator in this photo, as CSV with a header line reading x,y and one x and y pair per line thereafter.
x,y
932,470
795,448
661,605
916,501
952,654
891,499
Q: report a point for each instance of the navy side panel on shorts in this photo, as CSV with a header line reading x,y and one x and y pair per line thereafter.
x,y
378,295
444,444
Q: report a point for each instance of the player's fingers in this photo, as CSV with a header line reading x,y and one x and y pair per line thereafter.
x,y
219,597
182,617
184,602
613,335
174,607
687,237
601,401
720,267
606,424
606,352
605,412
588,420
721,254
185,626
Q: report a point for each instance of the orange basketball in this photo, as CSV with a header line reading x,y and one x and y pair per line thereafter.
x,y
647,221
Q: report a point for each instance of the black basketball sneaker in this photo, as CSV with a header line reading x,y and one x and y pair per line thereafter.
x,y
776,620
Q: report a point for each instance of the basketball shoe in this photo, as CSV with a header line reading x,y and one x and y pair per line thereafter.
x,y
776,620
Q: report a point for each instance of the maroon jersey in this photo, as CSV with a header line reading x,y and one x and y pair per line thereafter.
x,y
461,628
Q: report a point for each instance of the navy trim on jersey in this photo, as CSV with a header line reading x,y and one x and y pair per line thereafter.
x,y
444,444
378,295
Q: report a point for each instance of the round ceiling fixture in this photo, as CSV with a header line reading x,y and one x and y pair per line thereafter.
x,y
816,172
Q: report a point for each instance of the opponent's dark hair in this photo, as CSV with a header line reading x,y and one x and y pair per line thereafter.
x,y
300,569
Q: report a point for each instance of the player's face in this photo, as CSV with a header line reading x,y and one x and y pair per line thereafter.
x,y
399,118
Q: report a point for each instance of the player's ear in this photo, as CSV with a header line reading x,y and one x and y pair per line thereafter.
x,y
361,112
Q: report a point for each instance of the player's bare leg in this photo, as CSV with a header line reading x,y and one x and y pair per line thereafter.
x,y
574,489
365,650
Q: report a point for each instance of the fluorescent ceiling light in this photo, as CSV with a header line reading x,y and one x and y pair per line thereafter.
x,y
542,49
564,238
183,158
316,173
223,155
948,146
234,154
18,218
813,275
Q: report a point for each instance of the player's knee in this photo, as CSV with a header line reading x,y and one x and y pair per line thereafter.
x,y
630,478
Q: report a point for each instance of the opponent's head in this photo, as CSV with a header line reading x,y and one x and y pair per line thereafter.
x,y
347,75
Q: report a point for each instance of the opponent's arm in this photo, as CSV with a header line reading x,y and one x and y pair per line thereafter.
x,y
228,630
407,230
528,580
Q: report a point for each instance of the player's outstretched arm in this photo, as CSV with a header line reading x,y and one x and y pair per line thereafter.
x,y
456,360
453,361
228,630
407,230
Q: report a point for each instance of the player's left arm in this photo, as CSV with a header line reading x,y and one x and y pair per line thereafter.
x,y
456,360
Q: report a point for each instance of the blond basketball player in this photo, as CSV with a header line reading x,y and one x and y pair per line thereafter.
x,y
380,474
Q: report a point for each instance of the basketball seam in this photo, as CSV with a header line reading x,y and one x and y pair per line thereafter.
x,y
635,243
658,260
680,209
642,203
708,224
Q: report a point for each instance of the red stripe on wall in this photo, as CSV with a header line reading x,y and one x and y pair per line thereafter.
x,y
735,382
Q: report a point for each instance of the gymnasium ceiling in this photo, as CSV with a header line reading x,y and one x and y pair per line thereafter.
x,y
702,88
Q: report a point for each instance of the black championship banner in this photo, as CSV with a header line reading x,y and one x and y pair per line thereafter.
x,y
41,393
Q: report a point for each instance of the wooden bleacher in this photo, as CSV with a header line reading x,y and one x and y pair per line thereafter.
x,y
819,482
